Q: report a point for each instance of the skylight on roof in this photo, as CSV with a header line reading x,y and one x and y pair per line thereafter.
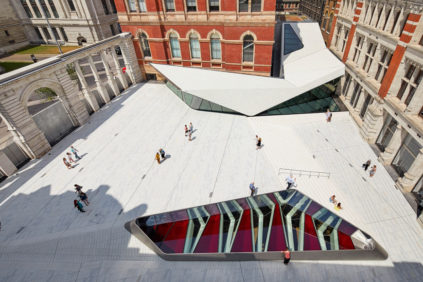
x,y
291,42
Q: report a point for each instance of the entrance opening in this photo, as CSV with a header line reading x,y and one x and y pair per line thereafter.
x,y
49,114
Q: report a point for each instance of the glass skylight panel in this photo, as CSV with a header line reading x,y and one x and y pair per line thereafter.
x,y
291,42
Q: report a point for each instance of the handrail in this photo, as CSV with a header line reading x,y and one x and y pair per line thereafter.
x,y
310,173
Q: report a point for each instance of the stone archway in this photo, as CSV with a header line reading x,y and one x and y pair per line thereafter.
x,y
42,100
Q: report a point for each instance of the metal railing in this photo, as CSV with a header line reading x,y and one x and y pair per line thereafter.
x,y
300,172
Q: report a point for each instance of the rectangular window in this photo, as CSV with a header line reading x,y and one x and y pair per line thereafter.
x,y
191,5
26,8
71,6
383,65
170,6
388,130
406,155
356,95
215,49
35,8
143,7
366,104
53,8
44,7
62,30
409,83
105,8
421,41
243,6
132,6
37,31
357,51
112,28
7,33
345,39
112,4
395,21
346,84
194,44
255,5
55,33
176,50
371,50
337,36
213,5
46,33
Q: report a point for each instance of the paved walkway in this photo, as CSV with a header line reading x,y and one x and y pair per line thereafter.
x,y
44,238
25,57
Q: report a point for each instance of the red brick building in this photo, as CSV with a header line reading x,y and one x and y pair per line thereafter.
x,y
223,34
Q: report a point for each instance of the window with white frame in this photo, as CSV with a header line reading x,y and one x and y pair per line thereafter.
x,y
191,5
379,16
387,16
174,45
330,23
248,48
170,6
71,5
213,5
142,5
194,45
397,15
26,8
132,6
216,53
249,5
337,35
344,40
356,95
347,83
409,83
368,60
406,155
145,46
367,101
383,65
357,48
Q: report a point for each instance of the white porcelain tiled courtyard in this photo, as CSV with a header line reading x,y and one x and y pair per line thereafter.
x,y
44,238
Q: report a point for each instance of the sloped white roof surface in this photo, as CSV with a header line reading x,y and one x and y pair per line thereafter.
x,y
305,69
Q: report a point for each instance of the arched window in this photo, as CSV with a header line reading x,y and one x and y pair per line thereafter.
x,y
330,23
174,45
144,45
194,44
216,53
248,49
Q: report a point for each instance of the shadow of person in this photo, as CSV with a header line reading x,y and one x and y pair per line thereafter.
x,y
193,138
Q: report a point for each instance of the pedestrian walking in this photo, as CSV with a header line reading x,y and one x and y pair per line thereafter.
x,y
366,165
75,152
190,136
78,205
333,200
253,189
158,157
338,206
372,171
328,115
162,153
258,143
70,157
290,181
67,164
78,188
286,256
191,127
186,130
84,198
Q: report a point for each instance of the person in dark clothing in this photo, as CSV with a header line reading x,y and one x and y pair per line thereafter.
x,y
84,198
286,256
78,188
366,165
78,205
162,154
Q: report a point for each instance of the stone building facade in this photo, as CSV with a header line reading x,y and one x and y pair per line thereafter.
x,y
222,34
313,9
72,22
327,18
83,80
381,43
287,6
12,33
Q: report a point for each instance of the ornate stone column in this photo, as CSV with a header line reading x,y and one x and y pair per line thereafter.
x,y
92,101
372,122
70,100
25,132
391,150
110,77
413,174
100,86
118,70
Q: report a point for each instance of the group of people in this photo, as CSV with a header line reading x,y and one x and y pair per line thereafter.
x,y
82,196
160,153
366,165
337,205
188,131
68,162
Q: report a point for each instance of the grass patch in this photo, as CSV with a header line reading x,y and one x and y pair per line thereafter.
x,y
9,66
45,49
